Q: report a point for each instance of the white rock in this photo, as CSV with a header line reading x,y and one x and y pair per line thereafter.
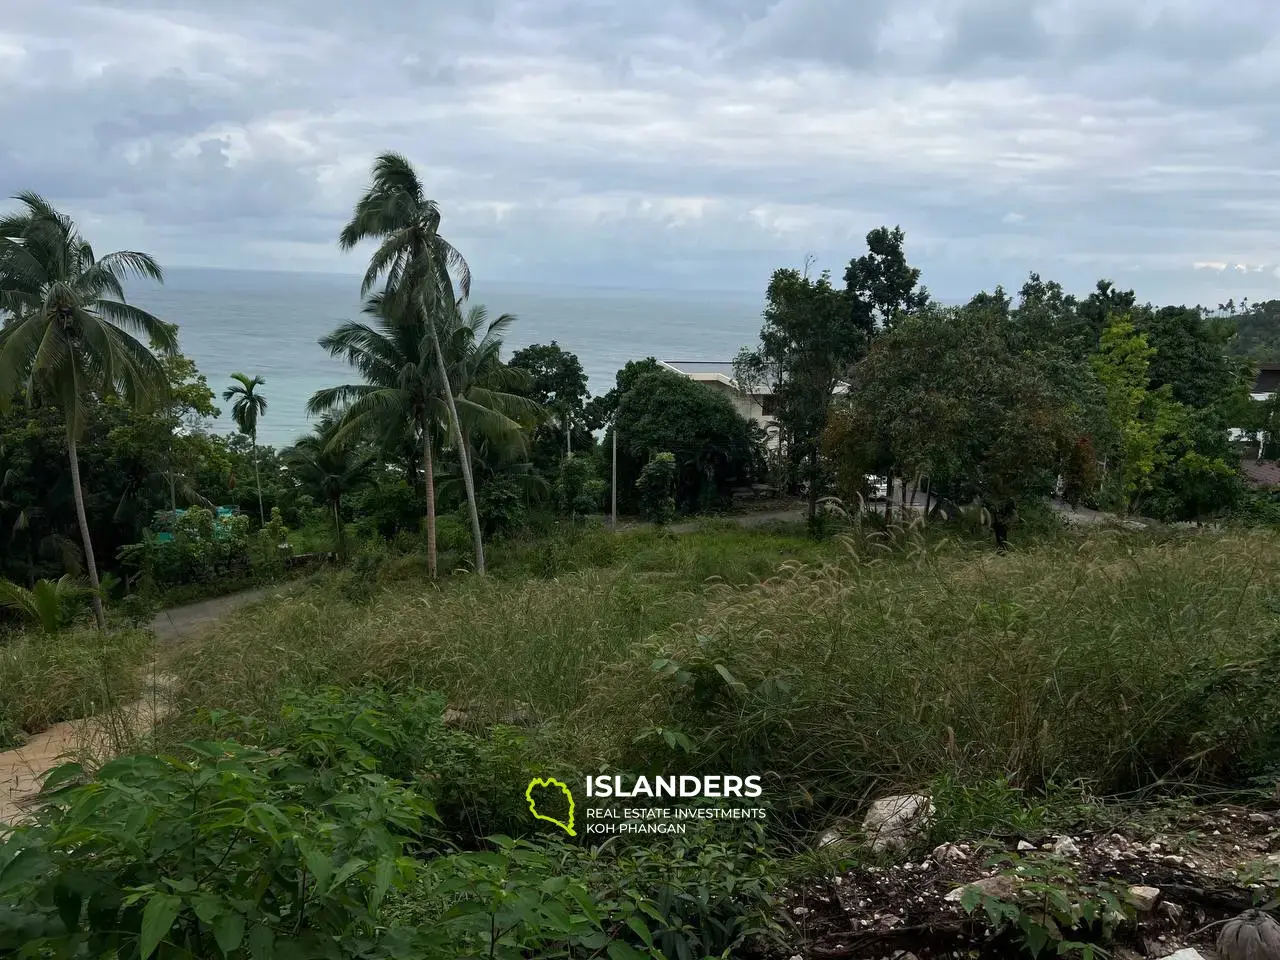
x,y
1187,953
894,821
1066,847
1143,898
1023,846
1000,886
949,853
829,837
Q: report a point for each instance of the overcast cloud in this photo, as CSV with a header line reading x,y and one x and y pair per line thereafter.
x,y
694,143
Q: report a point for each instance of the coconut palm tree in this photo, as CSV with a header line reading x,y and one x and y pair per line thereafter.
x,y
70,336
415,262
330,467
396,360
495,417
247,407
403,394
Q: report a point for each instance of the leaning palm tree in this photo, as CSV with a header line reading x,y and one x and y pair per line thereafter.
x,y
329,467
415,262
247,407
70,337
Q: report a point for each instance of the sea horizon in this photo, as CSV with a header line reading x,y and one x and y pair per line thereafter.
x,y
268,323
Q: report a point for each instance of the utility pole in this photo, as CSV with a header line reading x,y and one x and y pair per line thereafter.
x,y
614,509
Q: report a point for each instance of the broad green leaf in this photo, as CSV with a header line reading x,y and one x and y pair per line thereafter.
x,y
228,931
641,930
620,950
262,943
383,875
349,869
157,918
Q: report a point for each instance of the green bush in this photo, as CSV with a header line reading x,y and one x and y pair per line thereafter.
x,y
453,534
578,489
314,848
656,489
500,502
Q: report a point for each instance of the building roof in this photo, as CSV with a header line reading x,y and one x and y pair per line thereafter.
x,y
1265,474
1268,378
719,370
722,371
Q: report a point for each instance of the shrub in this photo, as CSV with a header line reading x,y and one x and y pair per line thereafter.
x,y
50,606
656,489
500,503
305,850
578,489
200,551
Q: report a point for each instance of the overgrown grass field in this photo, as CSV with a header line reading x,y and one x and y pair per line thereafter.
x,y
838,668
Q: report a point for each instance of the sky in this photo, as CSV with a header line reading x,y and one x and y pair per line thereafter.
x,y
671,144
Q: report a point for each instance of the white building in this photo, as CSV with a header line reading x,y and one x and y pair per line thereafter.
x,y
758,404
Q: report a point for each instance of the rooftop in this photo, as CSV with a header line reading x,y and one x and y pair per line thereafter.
x,y
721,370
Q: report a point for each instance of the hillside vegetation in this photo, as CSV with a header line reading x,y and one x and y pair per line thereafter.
x,y
862,665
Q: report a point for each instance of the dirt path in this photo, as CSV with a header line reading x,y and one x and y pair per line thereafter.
x,y
97,738
21,769
178,622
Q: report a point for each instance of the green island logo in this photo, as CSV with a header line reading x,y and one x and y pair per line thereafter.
x,y
550,783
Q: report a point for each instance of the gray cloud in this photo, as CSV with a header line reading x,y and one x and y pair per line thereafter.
x,y
683,142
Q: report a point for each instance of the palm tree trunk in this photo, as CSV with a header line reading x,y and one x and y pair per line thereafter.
x,y
337,529
464,461
262,517
431,500
90,563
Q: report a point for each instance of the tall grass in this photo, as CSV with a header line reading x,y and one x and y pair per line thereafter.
x,y
45,679
859,665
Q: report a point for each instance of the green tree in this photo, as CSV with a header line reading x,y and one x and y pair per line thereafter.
x,y
70,337
808,343
404,394
578,489
710,442
415,261
943,394
396,359
559,384
1142,417
330,466
246,407
882,287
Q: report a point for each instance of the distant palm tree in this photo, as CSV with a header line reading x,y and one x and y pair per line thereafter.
x,y
70,338
249,405
415,262
329,468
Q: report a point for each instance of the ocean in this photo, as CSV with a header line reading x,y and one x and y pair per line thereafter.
x,y
267,323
